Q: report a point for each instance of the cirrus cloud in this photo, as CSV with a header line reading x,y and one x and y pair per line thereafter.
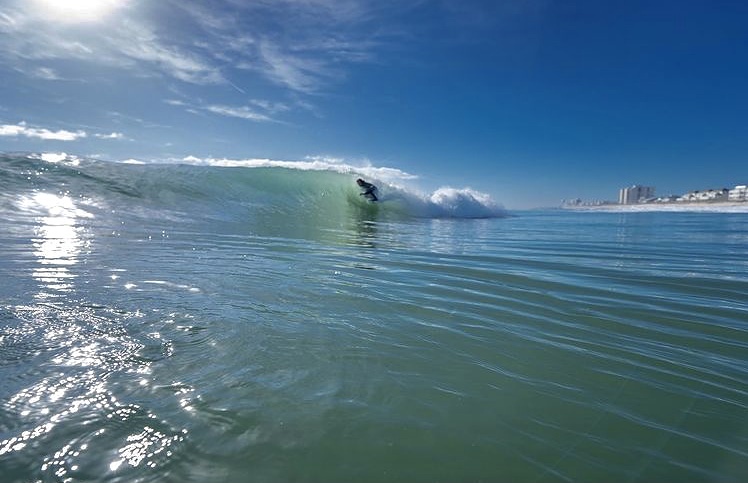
x,y
242,112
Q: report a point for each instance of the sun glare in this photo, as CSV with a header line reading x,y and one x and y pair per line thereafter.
x,y
77,10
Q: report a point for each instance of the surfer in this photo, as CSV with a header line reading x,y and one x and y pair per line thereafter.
x,y
370,191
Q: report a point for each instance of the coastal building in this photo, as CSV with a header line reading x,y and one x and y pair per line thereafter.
x,y
705,195
738,193
635,194
665,199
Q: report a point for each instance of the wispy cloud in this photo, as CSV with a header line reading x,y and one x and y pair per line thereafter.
x,y
302,47
271,107
145,46
130,42
242,112
302,74
114,135
46,73
7,22
261,112
22,129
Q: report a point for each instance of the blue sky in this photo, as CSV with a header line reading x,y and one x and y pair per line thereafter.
x,y
531,101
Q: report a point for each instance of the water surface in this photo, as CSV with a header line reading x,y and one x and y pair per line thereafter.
x,y
176,323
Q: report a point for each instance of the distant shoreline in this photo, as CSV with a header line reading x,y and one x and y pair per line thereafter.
x,y
720,207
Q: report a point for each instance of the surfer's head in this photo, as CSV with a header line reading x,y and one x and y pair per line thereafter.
x,y
360,181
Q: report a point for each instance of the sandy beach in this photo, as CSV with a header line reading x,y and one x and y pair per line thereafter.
x,y
720,207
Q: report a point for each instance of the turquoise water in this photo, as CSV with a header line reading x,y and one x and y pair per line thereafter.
x,y
182,323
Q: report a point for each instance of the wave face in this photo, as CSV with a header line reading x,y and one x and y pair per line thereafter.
x,y
300,195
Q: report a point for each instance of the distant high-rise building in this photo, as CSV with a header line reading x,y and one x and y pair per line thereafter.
x,y
635,194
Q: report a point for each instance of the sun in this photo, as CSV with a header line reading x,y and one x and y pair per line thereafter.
x,y
77,10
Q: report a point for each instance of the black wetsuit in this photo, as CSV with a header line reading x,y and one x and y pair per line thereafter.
x,y
370,190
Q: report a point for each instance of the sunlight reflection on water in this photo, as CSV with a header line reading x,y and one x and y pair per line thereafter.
x,y
58,241
81,346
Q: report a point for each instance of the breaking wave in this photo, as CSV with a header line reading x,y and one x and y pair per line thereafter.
x,y
313,191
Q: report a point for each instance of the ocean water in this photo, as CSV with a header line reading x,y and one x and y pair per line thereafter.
x,y
216,324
